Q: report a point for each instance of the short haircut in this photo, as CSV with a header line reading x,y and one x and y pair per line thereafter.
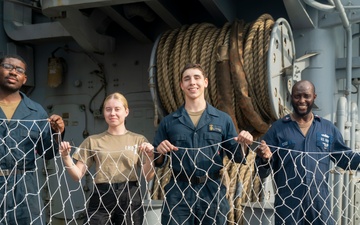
x,y
14,57
301,82
193,66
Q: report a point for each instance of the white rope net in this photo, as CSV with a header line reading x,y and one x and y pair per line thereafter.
x,y
304,193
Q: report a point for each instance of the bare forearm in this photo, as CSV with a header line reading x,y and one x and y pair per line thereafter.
x,y
148,167
74,171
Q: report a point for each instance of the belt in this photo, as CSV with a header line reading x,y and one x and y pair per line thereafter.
x,y
196,179
116,186
7,172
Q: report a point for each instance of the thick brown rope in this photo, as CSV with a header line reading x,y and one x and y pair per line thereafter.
x,y
176,55
255,54
166,87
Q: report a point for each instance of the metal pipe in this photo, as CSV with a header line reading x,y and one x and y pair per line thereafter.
x,y
347,26
337,202
351,186
357,137
354,121
345,179
320,6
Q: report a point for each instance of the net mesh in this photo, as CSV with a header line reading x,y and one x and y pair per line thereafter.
x,y
309,187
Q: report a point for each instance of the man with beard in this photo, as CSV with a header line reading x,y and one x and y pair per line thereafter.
x,y
297,149
25,132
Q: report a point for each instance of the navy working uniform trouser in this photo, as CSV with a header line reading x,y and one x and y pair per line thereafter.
x,y
20,202
195,201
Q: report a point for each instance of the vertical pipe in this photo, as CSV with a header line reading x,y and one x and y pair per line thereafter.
x,y
351,185
347,26
337,203
357,137
346,179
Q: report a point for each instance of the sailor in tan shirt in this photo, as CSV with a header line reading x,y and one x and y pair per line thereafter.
x,y
120,156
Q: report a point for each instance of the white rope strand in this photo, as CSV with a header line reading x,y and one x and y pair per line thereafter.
x,y
188,177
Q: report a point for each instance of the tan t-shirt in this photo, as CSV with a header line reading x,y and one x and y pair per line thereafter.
x,y
304,127
195,116
117,157
9,108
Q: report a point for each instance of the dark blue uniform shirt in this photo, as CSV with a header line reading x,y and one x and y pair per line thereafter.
x,y
21,143
201,152
215,130
301,167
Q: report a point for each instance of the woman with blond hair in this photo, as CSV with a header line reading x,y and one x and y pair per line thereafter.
x,y
119,155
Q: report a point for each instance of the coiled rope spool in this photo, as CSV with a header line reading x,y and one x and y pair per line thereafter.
x,y
236,58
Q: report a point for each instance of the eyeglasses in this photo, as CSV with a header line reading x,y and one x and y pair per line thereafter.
x,y
10,67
